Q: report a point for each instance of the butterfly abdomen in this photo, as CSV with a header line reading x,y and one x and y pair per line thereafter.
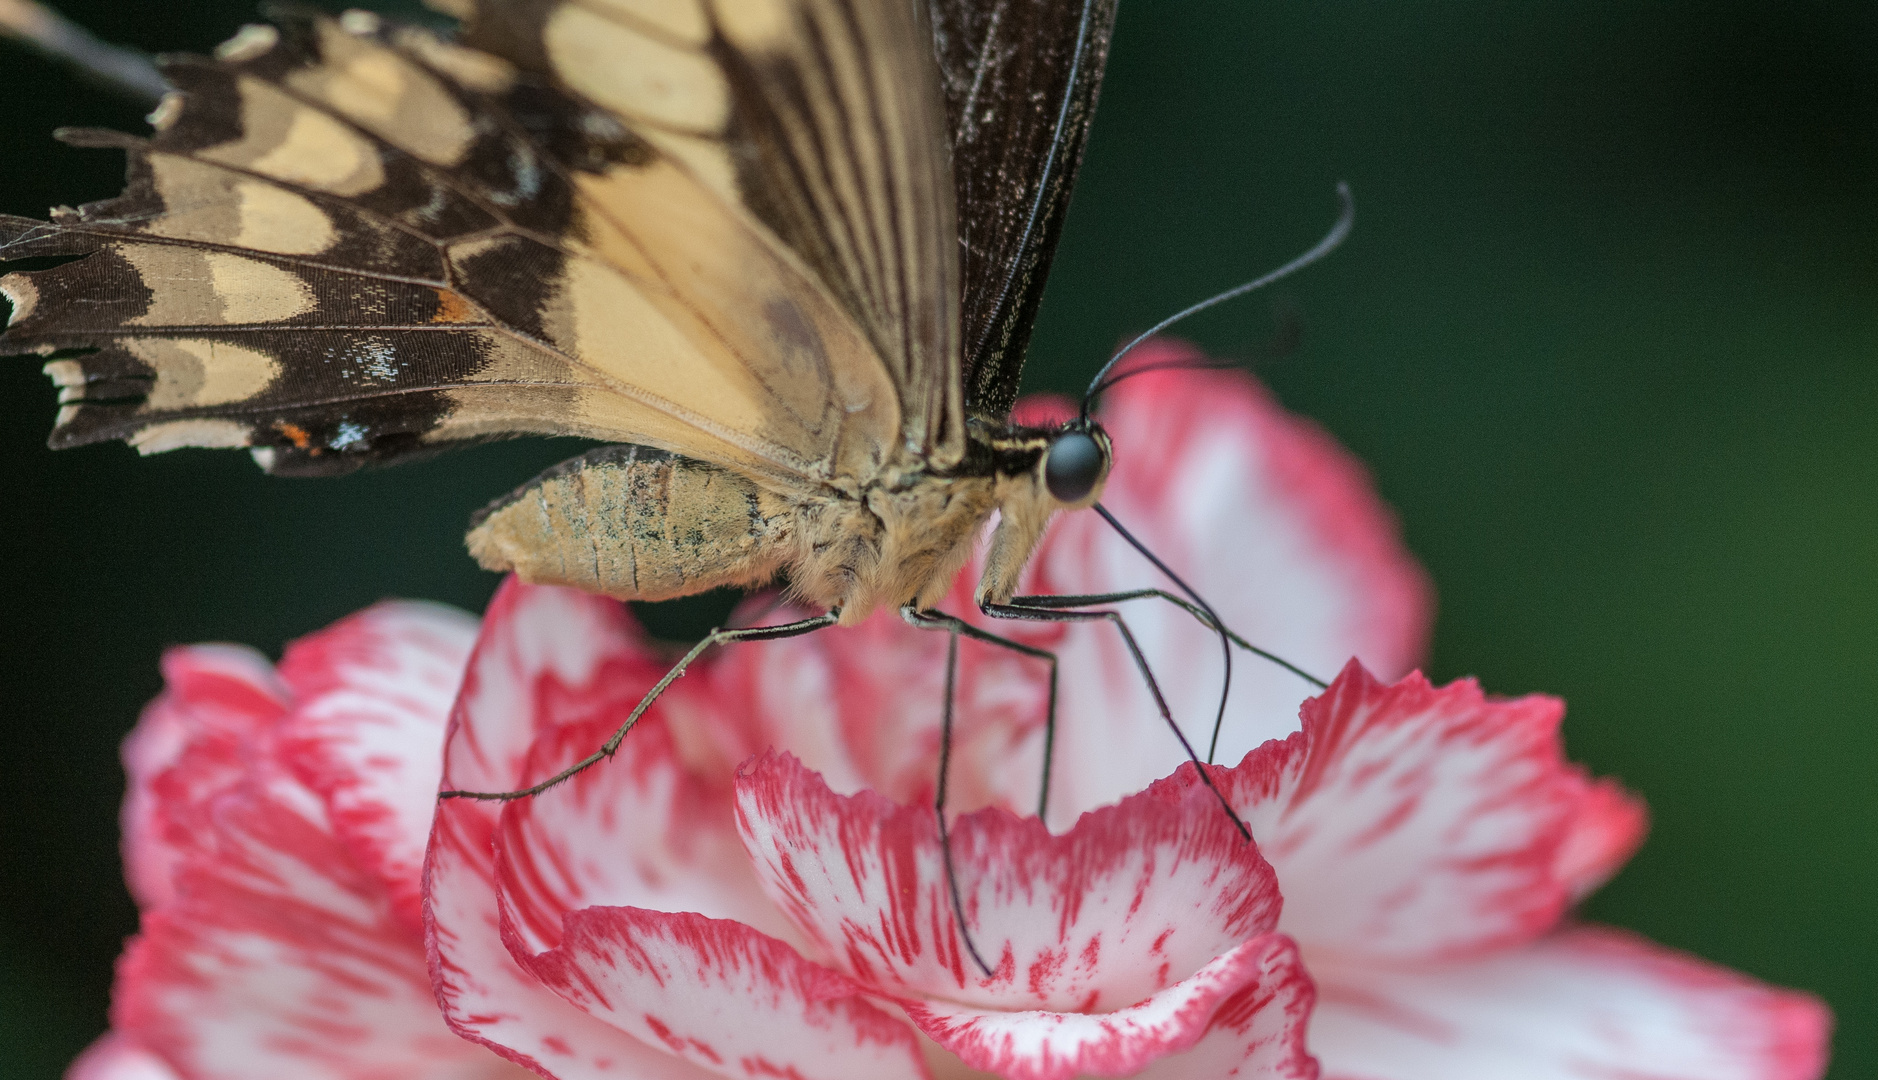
x,y
635,523
644,524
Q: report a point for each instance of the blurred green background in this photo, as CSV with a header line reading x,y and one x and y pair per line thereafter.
x,y
1607,335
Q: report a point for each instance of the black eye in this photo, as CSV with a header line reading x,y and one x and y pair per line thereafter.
x,y
1072,466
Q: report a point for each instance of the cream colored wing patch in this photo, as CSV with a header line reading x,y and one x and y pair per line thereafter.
x,y
820,119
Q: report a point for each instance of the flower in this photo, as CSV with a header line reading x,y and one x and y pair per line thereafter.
x,y
273,838
754,886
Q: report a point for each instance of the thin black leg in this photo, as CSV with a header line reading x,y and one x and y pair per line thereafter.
x,y
954,628
1225,645
1058,603
719,636
939,620
1039,614
939,802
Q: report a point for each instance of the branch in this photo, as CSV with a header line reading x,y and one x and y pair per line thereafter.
x,y
125,70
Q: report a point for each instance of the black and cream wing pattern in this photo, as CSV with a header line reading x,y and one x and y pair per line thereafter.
x,y
349,241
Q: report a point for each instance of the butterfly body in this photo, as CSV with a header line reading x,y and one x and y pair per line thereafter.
x,y
643,524
783,254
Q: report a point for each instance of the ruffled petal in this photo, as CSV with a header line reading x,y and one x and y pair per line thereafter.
x,y
114,1057
1412,822
215,698
1132,900
1272,522
1584,1004
372,694
1242,1015
637,831
723,997
546,657
277,955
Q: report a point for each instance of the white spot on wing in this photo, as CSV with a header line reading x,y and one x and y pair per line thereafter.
x,y
157,438
249,42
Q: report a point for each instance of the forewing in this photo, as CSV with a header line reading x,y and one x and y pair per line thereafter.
x,y
1020,79
822,118
348,242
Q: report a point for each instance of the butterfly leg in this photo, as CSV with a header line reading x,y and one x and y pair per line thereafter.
x,y
1040,614
936,620
954,628
611,746
1058,603
1206,618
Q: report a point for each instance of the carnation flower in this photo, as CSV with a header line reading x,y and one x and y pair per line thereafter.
x,y
754,886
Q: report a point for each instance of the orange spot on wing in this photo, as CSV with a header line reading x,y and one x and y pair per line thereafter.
x,y
295,434
452,308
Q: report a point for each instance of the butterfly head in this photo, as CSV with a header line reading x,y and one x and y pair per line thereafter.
x,y
1076,463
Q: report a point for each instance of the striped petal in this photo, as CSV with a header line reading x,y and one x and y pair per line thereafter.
x,y
1242,1015
214,699
1585,1004
542,653
723,997
532,954
1134,899
271,951
1414,822
372,695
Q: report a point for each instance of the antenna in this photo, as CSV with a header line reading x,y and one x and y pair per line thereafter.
x,y
1339,232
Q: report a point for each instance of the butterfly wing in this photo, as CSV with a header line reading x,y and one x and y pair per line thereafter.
x,y
353,242
1020,82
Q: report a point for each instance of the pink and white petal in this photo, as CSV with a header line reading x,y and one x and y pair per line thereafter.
x,y
488,998
545,657
636,831
723,997
278,956
114,1057
1412,822
536,662
1584,1004
1242,1015
1132,900
863,706
372,695
1606,830
1270,520
187,747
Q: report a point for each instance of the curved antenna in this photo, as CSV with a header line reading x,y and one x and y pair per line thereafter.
x,y
1339,232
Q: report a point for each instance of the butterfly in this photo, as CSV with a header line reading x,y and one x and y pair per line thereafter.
x,y
783,255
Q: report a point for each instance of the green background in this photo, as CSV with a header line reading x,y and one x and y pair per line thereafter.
x,y
1606,335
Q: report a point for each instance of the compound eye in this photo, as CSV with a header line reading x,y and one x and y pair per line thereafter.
x,y
1072,466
